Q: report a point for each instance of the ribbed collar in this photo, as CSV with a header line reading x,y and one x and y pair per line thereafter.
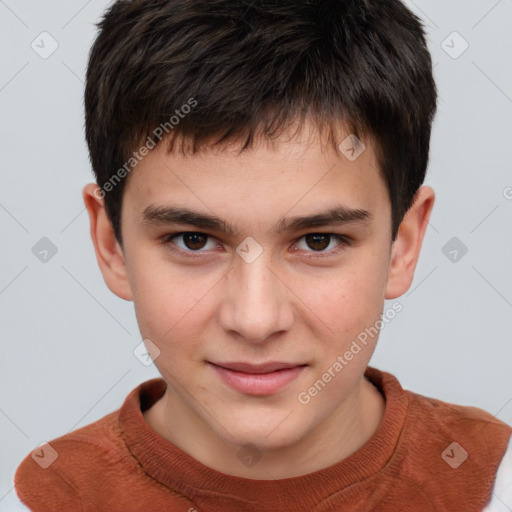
x,y
178,470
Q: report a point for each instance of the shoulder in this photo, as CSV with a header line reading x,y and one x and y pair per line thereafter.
x,y
54,465
432,421
501,499
454,451
91,468
448,419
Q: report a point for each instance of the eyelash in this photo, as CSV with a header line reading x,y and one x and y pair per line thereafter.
x,y
166,240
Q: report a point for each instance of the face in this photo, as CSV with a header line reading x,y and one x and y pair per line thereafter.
x,y
266,282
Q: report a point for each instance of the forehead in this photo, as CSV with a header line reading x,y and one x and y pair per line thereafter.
x,y
297,171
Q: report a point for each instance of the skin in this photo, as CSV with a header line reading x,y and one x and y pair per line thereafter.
x,y
284,306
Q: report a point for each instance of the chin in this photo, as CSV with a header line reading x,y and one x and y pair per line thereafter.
x,y
263,437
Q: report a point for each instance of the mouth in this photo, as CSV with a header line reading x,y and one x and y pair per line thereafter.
x,y
258,379
258,368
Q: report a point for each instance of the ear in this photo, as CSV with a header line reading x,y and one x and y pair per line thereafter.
x,y
406,248
109,253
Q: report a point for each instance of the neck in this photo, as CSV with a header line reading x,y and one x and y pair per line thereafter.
x,y
346,430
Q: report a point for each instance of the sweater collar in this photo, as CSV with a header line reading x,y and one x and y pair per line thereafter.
x,y
179,471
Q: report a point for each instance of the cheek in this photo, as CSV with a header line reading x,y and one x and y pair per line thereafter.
x,y
170,305
350,301
160,298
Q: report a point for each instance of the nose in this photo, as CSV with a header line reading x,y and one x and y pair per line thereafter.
x,y
257,301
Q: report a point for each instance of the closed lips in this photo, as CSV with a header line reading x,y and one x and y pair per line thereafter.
x,y
258,368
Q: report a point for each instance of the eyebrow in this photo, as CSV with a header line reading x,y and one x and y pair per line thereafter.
x,y
336,216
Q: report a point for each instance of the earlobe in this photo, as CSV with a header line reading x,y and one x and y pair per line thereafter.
x,y
407,246
109,253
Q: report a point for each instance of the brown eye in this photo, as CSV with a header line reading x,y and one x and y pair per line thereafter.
x,y
188,242
318,242
323,244
194,241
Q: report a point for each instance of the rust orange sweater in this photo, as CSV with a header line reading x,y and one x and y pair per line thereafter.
x,y
415,462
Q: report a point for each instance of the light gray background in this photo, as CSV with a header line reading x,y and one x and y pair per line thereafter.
x,y
66,353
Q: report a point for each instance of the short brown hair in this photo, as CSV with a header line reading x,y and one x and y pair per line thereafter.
x,y
251,67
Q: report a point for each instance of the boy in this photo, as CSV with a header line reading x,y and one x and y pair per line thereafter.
x,y
259,171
